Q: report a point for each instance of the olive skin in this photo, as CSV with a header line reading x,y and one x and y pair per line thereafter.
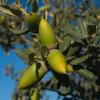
x,y
46,34
31,75
70,68
57,61
33,20
35,95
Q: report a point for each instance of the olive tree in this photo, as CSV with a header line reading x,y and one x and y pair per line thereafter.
x,y
61,37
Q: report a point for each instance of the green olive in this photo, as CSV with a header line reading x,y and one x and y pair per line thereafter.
x,y
70,68
31,75
57,61
46,34
33,21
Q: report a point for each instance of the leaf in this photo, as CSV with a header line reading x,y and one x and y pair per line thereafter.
x,y
44,51
79,60
45,7
12,9
24,54
27,52
76,33
35,6
6,11
82,29
28,3
72,50
69,58
68,29
96,40
19,32
65,43
86,74
78,40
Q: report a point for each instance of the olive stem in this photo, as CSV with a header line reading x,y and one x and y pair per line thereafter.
x,y
43,66
46,14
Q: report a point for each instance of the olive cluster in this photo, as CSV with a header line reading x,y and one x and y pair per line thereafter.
x,y
55,58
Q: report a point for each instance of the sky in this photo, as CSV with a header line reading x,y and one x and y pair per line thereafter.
x,y
6,84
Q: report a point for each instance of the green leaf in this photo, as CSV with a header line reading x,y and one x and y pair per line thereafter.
x,y
98,29
79,60
96,40
86,74
44,51
78,32
68,29
69,58
45,7
78,40
81,30
6,11
18,32
66,42
72,50
12,9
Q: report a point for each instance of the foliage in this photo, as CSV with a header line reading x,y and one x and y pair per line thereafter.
x,y
77,29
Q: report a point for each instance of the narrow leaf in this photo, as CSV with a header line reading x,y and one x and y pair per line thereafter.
x,y
82,29
72,50
28,3
86,74
12,9
65,43
19,32
79,60
6,11
35,6
96,40
45,7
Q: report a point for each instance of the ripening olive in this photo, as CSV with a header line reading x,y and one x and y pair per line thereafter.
x,y
31,75
33,21
46,34
57,61
70,68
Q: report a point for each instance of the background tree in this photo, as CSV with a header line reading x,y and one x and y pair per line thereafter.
x,y
61,30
